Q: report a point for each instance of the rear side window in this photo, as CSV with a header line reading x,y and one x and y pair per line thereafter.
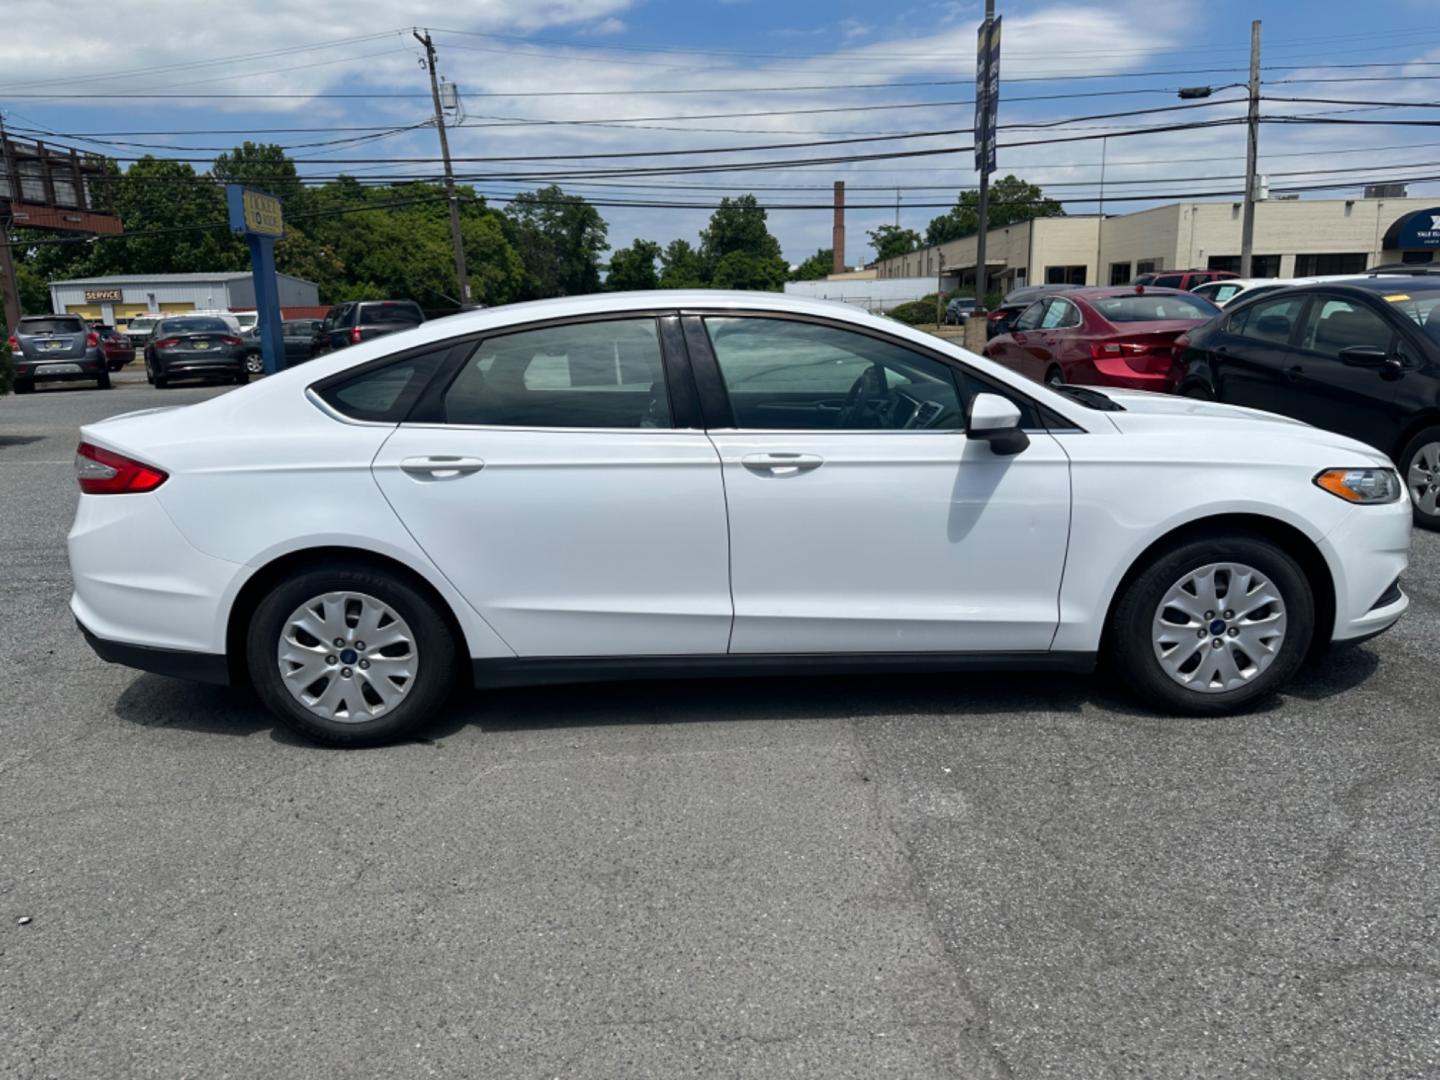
x,y
585,375
333,317
388,314
384,393
63,324
1168,281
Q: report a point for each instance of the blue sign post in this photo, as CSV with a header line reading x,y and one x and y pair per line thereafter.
x,y
260,219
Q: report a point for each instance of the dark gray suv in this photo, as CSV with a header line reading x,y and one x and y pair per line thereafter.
x,y
360,320
56,348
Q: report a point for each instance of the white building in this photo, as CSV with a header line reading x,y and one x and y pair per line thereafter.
x,y
1293,238
118,299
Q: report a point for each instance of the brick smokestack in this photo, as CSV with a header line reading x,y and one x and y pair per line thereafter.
x,y
837,233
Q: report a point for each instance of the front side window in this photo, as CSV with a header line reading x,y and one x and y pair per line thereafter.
x,y
582,375
1269,320
1030,318
1334,325
784,375
1168,281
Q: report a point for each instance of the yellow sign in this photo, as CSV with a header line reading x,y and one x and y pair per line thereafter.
x,y
263,214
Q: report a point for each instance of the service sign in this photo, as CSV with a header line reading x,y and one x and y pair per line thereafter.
x,y
94,295
253,212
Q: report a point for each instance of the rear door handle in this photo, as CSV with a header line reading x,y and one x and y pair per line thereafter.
x,y
782,464
440,467
1294,373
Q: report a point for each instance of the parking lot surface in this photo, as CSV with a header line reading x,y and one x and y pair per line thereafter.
x,y
922,876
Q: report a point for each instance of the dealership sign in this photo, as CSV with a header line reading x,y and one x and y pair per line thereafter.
x,y
1417,231
93,295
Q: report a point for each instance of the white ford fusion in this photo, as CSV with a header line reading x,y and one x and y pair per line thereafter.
x,y
681,483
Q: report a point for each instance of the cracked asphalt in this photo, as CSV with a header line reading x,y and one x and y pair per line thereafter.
x,y
904,877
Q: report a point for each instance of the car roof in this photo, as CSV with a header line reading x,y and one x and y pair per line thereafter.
x,y
1101,292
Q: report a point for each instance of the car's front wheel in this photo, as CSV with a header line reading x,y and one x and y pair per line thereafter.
x,y
1212,625
1420,466
350,656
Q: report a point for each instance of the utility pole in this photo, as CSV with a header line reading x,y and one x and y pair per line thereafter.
x,y
460,275
1100,224
982,134
1252,151
9,283
939,289
837,231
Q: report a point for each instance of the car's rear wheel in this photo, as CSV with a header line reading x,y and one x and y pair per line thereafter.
x,y
254,363
1420,466
242,376
103,380
24,386
159,381
350,656
1213,625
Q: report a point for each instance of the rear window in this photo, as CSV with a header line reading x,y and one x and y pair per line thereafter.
x,y
1420,306
195,326
63,324
1153,307
387,314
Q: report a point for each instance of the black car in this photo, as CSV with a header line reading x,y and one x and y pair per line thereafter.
x,y
299,337
194,347
56,348
360,320
959,309
1001,319
1359,357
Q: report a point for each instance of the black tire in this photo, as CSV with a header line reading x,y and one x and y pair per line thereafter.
x,y
160,382
437,668
1198,391
1130,649
103,381
242,376
24,386
1054,377
1429,437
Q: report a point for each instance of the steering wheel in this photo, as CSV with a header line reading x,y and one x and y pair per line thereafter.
x,y
864,394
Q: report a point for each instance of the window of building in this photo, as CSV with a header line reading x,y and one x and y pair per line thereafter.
x,y
1417,258
1261,266
784,375
1337,263
1064,275
1120,273
582,375
1146,266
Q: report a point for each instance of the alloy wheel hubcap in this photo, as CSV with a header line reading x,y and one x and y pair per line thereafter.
x,y
1423,476
254,365
1219,627
347,657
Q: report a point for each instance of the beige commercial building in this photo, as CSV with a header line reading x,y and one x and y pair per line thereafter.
x,y
1293,238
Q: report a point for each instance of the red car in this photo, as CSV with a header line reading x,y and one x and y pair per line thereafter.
x,y
1121,336
1182,279
116,346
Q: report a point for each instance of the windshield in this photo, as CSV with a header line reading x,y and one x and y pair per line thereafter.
x,y
194,326
1153,307
61,325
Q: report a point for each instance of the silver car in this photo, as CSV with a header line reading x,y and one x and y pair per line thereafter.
x,y
56,348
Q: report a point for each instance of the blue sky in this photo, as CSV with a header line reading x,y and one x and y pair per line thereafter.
x,y
518,64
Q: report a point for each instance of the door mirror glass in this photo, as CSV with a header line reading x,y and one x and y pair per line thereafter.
x,y
996,420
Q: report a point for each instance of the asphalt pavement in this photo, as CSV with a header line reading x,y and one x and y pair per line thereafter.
x,y
900,876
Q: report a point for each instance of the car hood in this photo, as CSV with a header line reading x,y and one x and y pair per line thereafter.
x,y
1150,413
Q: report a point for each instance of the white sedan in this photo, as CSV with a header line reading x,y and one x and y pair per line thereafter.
x,y
688,483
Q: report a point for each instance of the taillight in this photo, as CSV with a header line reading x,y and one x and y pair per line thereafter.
x,y
1144,358
13,343
92,339
167,343
355,335
1105,350
231,341
995,315
104,472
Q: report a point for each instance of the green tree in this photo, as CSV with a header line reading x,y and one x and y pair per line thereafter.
x,y
737,250
178,222
264,167
815,267
891,240
560,238
680,267
634,267
34,289
1011,200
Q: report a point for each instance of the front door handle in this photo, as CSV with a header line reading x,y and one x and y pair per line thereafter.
x,y
781,464
440,467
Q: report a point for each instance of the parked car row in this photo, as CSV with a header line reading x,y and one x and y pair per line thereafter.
x,y
1356,355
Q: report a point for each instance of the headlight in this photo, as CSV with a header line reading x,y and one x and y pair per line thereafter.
x,y
1365,486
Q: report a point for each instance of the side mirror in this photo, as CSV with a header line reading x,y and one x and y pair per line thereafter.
x,y
1367,356
997,422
